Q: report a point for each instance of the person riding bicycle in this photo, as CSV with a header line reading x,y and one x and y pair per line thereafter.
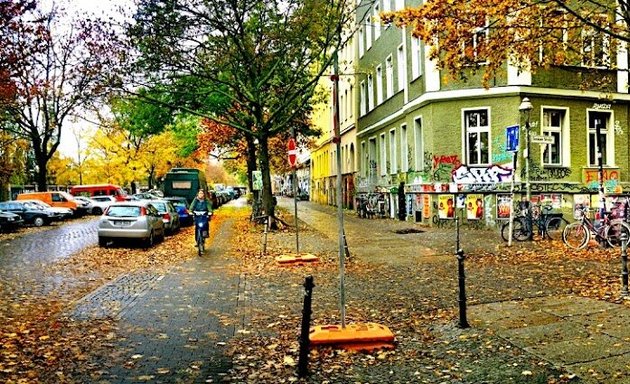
x,y
201,204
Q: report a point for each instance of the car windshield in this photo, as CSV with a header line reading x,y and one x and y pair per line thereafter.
x,y
124,211
160,206
31,205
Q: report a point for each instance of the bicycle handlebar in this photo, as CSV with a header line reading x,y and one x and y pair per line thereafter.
x,y
201,213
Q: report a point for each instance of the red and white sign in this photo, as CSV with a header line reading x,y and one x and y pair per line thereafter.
x,y
292,152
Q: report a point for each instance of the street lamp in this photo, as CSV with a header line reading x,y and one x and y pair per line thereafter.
x,y
526,107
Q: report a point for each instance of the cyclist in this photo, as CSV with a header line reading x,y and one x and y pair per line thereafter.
x,y
199,206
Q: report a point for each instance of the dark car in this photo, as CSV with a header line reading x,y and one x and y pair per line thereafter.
x,y
181,204
9,221
37,217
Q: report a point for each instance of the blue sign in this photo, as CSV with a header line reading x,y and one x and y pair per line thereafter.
x,y
511,135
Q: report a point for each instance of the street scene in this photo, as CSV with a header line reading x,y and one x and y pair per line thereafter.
x,y
75,312
314,191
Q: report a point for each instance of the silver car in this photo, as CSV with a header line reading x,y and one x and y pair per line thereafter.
x,y
131,220
170,217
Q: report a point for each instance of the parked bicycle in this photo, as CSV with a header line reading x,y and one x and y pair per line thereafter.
x,y
607,231
202,230
548,225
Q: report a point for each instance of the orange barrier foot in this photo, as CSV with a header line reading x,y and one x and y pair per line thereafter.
x,y
356,337
297,259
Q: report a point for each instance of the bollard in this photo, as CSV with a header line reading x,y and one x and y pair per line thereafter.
x,y
306,325
463,322
624,265
345,245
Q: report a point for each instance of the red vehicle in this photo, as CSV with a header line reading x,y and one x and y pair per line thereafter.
x,y
99,190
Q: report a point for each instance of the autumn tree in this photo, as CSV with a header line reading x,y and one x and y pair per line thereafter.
x,y
465,37
63,69
264,57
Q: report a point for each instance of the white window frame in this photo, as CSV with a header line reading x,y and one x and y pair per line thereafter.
x,y
563,131
608,131
363,162
387,6
376,21
476,33
393,152
379,84
591,50
479,130
418,137
368,35
372,155
351,102
361,42
370,92
383,152
404,151
389,77
564,36
402,67
362,98
399,4
416,58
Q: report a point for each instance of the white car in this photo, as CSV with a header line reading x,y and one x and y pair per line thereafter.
x,y
100,204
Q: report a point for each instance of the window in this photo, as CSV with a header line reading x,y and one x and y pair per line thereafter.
x,y
399,4
474,46
600,121
556,38
387,6
404,155
596,45
372,157
376,21
419,144
477,137
362,102
379,85
383,150
361,41
393,152
368,35
416,59
389,77
351,102
342,106
552,125
402,68
370,92
363,160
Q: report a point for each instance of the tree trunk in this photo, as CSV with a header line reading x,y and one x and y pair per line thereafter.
x,y
267,194
251,164
42,173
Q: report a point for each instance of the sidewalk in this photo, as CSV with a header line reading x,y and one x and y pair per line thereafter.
x,y
174,327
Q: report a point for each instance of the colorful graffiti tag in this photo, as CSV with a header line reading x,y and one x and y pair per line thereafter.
x,y
492,174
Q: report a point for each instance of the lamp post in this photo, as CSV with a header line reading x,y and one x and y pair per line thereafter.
x,y
526,107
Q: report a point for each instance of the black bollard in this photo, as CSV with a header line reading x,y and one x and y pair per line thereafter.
x,y
624,264
306,325
463,322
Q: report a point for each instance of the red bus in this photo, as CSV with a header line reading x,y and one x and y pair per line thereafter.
x,y
99,190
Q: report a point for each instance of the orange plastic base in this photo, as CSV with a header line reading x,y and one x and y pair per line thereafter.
x,y
296,259
368,336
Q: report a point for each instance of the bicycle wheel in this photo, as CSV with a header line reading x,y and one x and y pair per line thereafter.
x,y
576,235
519,230
613,233
555,227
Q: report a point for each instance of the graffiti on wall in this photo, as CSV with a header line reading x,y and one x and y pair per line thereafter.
x,y
538,173
489,206
492,174
452,160
438,168
501,155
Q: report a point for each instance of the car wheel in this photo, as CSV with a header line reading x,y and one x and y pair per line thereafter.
x,y
39,221
150,240
102,242
97,211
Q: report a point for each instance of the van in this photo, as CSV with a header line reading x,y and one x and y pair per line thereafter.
x,y
54,199
184,182
99,190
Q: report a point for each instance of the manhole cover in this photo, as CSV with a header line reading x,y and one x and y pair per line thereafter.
x,y
408,230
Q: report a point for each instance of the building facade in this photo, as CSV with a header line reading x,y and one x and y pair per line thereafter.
x,y
425,144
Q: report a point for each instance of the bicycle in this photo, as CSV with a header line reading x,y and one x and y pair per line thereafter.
x,y
549,225
577,235
202,219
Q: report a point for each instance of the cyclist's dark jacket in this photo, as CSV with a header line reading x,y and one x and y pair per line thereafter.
x,y
200,206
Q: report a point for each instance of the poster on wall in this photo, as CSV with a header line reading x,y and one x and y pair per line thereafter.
x,y
446,206
474,207
504,206
461,201
426,205
556,200
580,202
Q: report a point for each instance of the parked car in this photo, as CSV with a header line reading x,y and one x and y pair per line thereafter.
x,y
59,213
85,202
131,220
55,199
181,204
170,217
101,203
27,212
9,221
145,196
99,190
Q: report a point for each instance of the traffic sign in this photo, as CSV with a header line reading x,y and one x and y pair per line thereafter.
x,y
542,139
511,135
292,152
